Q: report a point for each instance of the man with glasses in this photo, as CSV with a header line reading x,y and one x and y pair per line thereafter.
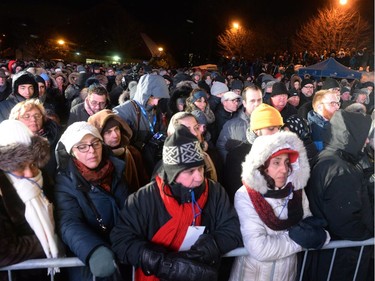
x,y
306,97
228,109
325,104
235,129
307,91
96,100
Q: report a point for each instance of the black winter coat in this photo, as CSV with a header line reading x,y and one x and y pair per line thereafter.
x,y
337,192
144,213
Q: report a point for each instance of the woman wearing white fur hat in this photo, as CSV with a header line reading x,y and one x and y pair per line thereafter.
x,y
27,227
273,209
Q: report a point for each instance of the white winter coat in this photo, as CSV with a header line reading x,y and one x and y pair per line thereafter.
x,y
272,254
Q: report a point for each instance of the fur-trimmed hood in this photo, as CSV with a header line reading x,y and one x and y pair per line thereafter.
x,y
14,156
100,119
262,148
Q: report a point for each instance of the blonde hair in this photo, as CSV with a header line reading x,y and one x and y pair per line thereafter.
x,y
20,108
318,98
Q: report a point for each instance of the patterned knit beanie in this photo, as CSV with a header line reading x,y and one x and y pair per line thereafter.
x,y
181,151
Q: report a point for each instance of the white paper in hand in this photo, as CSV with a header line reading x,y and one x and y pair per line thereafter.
x,y
191,237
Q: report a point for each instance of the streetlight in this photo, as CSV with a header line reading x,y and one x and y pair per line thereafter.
x,y
343,2
61,42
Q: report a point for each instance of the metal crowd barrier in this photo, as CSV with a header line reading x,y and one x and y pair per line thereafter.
x,y
75,262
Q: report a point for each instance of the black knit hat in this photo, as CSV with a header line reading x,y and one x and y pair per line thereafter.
x,y
181,151
279,88
293,93
330,83
306,81
22,78
236,85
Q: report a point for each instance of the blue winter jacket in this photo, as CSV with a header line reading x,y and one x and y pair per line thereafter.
x,y
76,220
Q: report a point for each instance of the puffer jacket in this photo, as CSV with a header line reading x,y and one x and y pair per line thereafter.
x,y
76,218
272,253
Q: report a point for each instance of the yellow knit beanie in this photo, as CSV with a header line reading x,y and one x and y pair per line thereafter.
x,y
265,116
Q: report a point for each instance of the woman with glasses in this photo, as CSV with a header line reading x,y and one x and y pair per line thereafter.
x,y
90,191
97,99
33,114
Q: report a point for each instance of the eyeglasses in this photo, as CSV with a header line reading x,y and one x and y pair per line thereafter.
x,y
333,103
235,100
94,103
36,116
86,146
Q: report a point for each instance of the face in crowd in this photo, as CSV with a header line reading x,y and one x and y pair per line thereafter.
x,y
88,151
253,98
308,90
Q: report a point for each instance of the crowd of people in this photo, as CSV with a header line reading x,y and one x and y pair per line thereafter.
x,y
167,170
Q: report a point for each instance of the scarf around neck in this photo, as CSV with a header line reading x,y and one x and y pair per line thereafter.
x,y
101,176
38,213
266,212
172,233
88,107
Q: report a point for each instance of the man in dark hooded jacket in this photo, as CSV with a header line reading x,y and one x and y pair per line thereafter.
x,y
338,193
24,87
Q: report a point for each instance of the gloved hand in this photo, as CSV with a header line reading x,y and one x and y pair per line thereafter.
x,y
207,250
173,266
151,258
102,262
309,233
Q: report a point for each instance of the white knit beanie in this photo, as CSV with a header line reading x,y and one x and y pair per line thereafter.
x,y
76,131
14,131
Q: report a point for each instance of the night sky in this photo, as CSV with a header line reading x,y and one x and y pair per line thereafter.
x,y
176,25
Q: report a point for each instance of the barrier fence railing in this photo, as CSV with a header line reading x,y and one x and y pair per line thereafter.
x,y
75,262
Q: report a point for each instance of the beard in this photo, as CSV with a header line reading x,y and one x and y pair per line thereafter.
x,y
327,114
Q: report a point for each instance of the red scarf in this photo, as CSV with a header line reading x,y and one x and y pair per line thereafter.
x,y
267,215
173,232
101,177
